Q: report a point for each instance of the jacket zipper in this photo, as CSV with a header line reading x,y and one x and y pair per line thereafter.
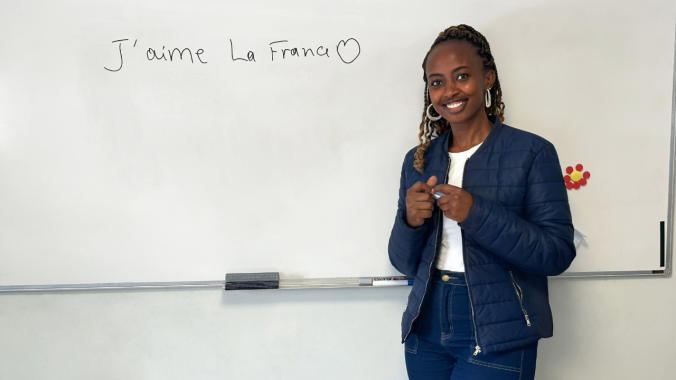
x,y
477,348
519,294
434,259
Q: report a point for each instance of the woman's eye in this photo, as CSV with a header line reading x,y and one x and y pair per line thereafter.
x,y
435,83
463,76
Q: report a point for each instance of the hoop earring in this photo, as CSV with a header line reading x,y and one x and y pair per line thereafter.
x,y
429,116
488,98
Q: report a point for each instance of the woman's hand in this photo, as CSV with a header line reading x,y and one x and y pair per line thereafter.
x,y
456,203
419,202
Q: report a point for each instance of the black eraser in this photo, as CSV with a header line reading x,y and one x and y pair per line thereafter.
x,y
249,281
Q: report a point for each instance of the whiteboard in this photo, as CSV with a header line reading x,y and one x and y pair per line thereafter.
x,y
138,160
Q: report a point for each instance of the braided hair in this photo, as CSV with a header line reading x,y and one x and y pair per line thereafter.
x,y
430,129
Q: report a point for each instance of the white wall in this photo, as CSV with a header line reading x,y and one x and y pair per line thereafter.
x,y
604,329
203,334
611,329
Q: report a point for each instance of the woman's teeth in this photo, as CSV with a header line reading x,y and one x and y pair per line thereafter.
x,y
454,105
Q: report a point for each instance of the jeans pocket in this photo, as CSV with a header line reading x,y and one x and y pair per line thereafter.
x,y
518,361
509,360
411,343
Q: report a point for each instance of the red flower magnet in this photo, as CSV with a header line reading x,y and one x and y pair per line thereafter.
x,y
575,177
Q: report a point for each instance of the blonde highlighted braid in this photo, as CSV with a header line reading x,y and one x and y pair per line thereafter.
x,y
431,129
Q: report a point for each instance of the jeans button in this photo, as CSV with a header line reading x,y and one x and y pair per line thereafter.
x,y
445,277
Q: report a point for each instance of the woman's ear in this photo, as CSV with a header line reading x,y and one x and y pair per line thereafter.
x,y
490,79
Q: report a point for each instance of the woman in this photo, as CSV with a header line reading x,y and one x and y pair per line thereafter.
x,y
480,253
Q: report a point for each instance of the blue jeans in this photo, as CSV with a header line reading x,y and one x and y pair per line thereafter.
x,y
441,345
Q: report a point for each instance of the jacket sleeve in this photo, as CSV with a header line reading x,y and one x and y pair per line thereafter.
x,y
540,242
406,242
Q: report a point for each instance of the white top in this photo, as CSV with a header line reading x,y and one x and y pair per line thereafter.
x,y
450,254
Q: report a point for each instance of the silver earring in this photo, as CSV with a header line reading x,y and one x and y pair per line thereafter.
x,y
488,98
429,116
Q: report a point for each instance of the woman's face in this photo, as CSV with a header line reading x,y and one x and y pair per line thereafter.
x,y
457,82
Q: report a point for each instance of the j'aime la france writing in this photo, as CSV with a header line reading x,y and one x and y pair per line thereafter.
x,y
346,51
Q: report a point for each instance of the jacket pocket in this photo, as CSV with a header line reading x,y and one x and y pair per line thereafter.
x,y
519,294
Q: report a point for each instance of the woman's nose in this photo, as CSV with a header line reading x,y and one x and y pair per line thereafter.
x,y
450,89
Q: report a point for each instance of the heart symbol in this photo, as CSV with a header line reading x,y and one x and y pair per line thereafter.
x,y
348,51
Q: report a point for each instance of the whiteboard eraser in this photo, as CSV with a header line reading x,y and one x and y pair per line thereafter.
x,y
251,281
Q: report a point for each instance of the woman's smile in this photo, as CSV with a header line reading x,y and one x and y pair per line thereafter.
x,y
455,107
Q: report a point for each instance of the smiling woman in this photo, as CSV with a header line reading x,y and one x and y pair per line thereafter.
x,y
480,253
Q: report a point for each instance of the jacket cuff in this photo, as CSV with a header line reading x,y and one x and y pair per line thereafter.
x,y
477,215
403,230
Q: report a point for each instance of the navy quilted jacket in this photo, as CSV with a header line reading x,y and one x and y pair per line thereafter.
x,y
518,231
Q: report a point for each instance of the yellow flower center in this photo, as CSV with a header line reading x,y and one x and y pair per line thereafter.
x,y
575,176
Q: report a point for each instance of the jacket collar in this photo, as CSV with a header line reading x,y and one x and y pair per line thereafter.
x,y
442,148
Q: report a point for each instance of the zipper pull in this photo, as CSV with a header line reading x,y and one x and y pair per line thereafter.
x,y
527,320
477,349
